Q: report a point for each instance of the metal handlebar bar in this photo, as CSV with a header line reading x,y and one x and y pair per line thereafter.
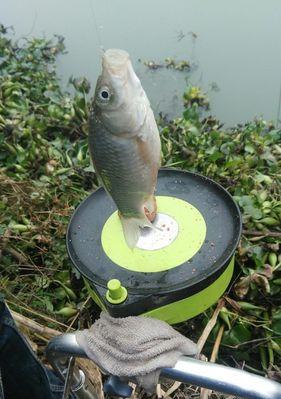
x,y
223,379
188,370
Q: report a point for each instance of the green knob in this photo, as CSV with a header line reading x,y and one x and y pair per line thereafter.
x,y
116,292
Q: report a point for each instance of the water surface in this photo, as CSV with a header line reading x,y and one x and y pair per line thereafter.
x,y
234,44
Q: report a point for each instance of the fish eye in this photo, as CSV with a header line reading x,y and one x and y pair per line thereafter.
x,y
104,94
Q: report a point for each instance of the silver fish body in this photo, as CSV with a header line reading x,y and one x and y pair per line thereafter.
x,y
124,143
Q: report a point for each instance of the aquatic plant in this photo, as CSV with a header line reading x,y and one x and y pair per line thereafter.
x,y
169,63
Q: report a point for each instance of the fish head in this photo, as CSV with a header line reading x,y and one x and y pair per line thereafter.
x,y
119,96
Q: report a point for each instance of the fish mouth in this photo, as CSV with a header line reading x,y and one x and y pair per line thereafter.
x,y
115,61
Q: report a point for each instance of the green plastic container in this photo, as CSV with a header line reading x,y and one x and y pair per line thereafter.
x,y
176,272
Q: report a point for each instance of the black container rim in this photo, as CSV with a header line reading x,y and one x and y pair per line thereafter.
x,y
200,283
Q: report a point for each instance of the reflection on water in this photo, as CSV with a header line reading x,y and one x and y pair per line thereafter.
x,y
234,45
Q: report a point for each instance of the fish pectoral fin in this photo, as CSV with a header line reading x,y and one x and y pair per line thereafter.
x,y
150,204
131,229
150,208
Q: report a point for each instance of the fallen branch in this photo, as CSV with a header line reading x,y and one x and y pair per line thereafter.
x,y
171,390
78,313
257,233
210,325
34,326
205,393
17,255
42,316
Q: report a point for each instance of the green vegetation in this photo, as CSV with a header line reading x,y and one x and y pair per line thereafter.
x,y
168,63
45,172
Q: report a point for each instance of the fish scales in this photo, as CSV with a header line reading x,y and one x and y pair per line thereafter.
x,y
121,168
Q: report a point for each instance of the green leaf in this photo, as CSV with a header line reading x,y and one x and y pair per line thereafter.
x,y
48,304
249,306
261,178
276,321
254,212
42,281
237,335
249,148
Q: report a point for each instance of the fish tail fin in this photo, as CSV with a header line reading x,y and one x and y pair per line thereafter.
x,y
131,229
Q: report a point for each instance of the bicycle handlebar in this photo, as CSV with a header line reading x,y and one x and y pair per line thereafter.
x,y
223,379
188,370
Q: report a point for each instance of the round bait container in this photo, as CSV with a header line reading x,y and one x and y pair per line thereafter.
x,y
178,269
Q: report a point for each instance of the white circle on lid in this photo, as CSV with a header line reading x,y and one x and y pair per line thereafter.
x,y
165,231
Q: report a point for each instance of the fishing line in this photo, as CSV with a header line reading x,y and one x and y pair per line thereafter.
x,y
101,46
279,108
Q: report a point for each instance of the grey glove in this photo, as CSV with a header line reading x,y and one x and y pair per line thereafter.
x,y
134,346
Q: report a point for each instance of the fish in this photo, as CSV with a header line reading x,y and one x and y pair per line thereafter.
x,y
124,143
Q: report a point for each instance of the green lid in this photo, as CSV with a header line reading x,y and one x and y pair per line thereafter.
x,y
116,293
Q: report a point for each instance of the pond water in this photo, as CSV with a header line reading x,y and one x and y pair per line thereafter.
x,y
234,47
